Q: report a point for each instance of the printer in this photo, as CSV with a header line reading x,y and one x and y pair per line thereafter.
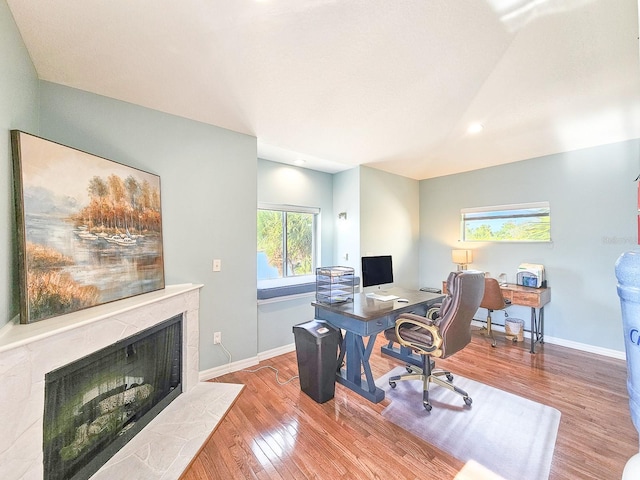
x,y
531,275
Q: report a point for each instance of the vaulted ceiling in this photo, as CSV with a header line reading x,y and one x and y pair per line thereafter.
x,y
393,84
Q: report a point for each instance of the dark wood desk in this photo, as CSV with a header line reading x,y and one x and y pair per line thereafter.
x,y
536,298
366,317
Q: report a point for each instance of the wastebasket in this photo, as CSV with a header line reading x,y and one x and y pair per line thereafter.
x,y
317,353
514,329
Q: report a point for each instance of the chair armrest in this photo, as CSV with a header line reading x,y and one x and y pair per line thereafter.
x,y
421,322
434,312
419,319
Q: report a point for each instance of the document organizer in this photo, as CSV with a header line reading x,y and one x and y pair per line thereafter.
x,y
334,284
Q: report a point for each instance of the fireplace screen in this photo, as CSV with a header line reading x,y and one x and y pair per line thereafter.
x,y
95,405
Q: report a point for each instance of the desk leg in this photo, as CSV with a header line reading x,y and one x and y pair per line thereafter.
x,y
358,360
342,350
537,328
534,330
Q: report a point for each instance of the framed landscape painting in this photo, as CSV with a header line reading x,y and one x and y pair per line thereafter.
x,y
89,229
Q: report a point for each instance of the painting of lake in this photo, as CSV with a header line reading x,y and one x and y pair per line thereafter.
x,y
89,229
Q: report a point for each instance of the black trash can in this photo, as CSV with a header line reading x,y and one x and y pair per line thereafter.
x,y
317,352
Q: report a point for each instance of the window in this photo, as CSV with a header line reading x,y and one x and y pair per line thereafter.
x,y
286,241
526,222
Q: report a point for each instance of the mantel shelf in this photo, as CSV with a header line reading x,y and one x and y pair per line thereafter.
x,y
15,335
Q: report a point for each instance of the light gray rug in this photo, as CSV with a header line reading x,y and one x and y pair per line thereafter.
x,y
512,436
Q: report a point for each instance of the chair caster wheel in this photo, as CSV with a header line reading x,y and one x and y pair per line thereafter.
x,y
427,406
392,384
468,401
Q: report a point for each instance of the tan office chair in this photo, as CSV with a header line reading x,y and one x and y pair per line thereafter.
x,y
492,300
442,337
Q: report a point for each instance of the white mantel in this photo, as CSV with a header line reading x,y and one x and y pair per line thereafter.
x,y
28,352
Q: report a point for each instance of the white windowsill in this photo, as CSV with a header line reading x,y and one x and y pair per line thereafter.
x,y
285,282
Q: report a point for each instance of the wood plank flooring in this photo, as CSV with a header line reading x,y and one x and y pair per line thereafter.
x,y
277,432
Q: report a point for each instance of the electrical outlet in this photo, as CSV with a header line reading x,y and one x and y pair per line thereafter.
x,y
217,338
217,265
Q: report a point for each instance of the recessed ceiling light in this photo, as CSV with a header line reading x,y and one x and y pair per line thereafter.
x,y
475,128
299,162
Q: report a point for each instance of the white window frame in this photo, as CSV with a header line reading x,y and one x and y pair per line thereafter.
x,y
504,212
315,246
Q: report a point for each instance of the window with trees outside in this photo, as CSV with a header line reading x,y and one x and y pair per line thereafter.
x,y
286,241
526,222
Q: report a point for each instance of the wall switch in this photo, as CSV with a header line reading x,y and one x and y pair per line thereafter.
x,y
217,265
217,338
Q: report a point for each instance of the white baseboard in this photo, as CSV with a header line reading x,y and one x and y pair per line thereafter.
x,y
607,352
274,352
245,363
228,368
250,362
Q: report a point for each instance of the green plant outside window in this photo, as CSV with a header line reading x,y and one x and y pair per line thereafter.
x,y
287,239
529,222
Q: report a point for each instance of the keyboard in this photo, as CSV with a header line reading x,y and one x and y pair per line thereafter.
x,y
382,298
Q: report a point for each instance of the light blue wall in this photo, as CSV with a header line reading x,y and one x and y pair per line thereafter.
x,y
346,198
593,202
208,187
289,185
18,110
390,222
382,215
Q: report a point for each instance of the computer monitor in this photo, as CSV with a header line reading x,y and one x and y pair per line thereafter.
x,y
377,271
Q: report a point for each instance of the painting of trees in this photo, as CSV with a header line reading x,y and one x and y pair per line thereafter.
x,y
118,204
89,229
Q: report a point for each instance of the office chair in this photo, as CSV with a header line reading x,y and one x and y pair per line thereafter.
x,y
492,300
442,337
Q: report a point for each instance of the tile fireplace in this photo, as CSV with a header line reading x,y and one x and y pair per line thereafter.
x,y
95,405
29,353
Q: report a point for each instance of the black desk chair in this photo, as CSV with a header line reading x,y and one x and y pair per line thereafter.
x,y
442,337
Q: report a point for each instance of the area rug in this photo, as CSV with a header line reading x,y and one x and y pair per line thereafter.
x,y
512,436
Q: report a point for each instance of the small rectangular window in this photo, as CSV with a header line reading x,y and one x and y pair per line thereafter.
x,y
525,222
286,241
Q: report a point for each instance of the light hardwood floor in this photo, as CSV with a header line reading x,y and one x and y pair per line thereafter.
x,y
277,432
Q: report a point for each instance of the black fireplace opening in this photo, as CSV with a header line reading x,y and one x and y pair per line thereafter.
x,y
96,404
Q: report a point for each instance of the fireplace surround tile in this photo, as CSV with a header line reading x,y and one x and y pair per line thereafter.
x,y
28,352
172,439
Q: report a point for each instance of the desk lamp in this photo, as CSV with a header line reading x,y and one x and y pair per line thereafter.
x,y
462,258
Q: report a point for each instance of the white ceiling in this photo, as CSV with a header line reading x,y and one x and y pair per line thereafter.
x,y
392,84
